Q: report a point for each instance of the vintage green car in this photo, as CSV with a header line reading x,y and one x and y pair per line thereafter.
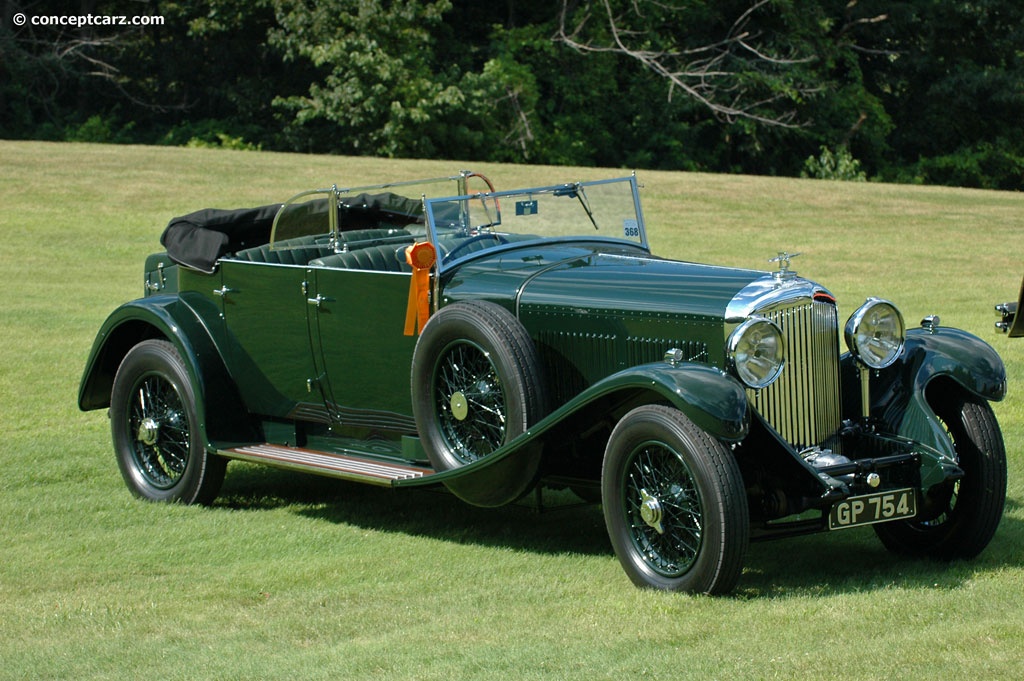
x,y
439,332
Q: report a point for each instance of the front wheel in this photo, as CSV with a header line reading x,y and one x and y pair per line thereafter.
x,y
963,515
154,426
674,503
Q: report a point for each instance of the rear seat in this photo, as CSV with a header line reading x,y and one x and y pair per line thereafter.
x,y
383,258
292,255
297,251
304,250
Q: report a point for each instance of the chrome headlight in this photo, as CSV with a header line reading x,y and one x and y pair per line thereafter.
x,y
875,333
756,352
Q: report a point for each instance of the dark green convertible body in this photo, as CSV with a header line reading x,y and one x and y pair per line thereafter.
x,y
440,332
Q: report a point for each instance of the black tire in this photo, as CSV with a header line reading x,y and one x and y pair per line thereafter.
x,y
153,421
960,517
674,503
476,385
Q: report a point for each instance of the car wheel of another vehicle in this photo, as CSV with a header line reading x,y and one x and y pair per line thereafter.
x,y
674,503
961,516
476,385
154,425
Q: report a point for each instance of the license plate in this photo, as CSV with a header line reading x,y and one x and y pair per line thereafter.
x,y
869,509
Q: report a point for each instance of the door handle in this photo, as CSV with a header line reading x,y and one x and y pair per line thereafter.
x,y
318,300
223,291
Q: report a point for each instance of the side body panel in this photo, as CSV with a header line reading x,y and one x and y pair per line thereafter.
x,y
267,341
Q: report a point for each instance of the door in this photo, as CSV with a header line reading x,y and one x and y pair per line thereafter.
x,y
266,309
361,349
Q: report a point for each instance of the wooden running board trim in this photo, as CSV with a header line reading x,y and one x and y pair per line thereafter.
x,y
343,466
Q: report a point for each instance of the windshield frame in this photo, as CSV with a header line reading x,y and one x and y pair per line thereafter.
x,y
283,235
494,204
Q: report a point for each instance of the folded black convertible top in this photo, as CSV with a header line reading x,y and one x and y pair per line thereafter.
x,y
196,240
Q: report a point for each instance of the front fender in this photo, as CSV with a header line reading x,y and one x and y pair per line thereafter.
x,y
961,356
170,318
898,393
711,399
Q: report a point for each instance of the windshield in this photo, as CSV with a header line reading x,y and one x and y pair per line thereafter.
x,y
601,210
363,213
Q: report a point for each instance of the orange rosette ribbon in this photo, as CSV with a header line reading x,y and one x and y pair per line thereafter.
x,y
421,257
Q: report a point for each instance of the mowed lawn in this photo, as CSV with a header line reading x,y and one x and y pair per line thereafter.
x,y
296,577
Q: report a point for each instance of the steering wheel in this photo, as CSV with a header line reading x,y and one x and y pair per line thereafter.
x,y
473,239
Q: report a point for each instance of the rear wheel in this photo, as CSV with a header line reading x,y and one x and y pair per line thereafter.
x,y
153,421
961,516
674,503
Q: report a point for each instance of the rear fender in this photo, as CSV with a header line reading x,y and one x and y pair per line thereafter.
x,y
173,319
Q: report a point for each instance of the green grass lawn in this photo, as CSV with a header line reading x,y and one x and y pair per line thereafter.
x,y
291,576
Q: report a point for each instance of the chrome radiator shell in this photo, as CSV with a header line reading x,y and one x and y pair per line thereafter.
x,y
803,405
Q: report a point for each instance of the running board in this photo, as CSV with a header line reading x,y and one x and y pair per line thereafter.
x,y
344,466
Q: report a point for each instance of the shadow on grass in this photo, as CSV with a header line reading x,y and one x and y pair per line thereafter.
x,y
564,525
850,561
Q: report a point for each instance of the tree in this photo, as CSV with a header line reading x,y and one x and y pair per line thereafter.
x,y
47,69
377,82
952,80
720,59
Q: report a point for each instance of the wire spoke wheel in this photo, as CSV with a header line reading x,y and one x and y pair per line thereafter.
x,y
160,430
674,503
476,387
154,424
664,509
470,401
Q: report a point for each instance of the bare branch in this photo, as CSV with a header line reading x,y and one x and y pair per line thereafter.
x,y
62,55
710,74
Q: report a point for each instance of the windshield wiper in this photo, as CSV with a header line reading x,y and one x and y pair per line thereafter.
x,y
576,190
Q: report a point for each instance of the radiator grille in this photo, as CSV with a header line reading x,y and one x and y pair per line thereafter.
x,y
803,405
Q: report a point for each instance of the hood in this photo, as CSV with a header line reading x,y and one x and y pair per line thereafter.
x,y
634,283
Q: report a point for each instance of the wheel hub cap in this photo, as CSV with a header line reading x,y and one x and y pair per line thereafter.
x,y
459,405
650,511
148,431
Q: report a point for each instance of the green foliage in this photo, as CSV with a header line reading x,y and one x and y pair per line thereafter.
x,y
213,134
378,85
99,129
223,141
952,79
986,165
919,90
838,165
